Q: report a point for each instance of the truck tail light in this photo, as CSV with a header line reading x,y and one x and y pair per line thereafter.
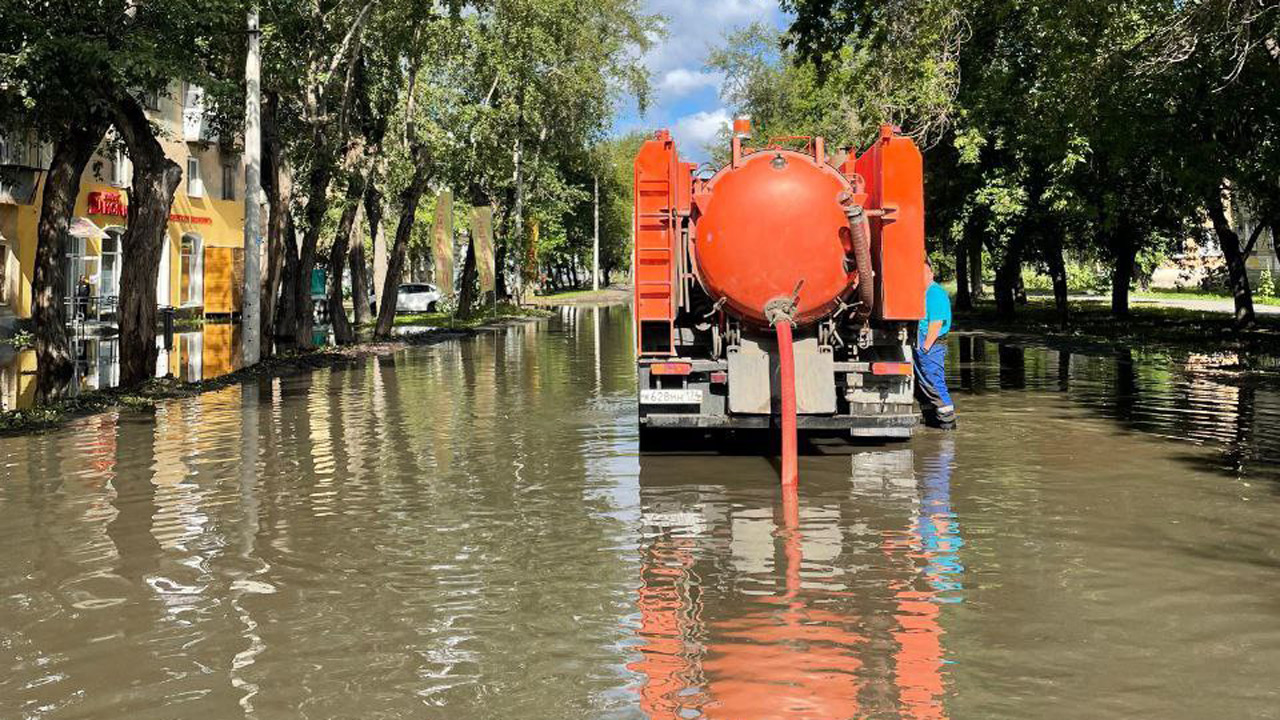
x,y
719,377
891,368
672,368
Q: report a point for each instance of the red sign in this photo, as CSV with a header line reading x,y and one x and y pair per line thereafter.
x,y
107,203
110,203
190,219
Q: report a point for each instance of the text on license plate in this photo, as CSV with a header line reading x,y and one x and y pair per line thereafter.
x,y
670,397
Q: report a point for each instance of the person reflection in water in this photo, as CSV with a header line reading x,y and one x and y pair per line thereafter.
x,y
823,643
931,355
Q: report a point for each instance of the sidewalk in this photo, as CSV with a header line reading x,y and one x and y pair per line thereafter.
x,y
1199,304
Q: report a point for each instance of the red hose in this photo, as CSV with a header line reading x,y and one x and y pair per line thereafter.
x,y
787,371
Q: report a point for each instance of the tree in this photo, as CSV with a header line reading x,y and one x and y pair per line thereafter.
x,y
310,56
68,70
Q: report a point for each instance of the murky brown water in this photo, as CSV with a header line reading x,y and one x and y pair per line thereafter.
x,y
467,531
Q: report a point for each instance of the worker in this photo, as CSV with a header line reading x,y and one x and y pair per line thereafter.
x,y
931,355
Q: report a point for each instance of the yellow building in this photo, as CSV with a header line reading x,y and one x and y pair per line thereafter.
x,y
202,257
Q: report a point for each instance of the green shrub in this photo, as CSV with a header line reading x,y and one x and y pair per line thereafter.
x,y
1268,286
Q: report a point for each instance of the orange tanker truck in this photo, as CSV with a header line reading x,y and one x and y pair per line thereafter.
x,y
782,290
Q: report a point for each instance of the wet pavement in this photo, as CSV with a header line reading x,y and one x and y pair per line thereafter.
x,y
467,530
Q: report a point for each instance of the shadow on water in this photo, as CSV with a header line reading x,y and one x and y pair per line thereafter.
x,y
1226,401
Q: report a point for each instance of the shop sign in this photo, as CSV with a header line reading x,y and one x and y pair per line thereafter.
x,y
107,203
110,203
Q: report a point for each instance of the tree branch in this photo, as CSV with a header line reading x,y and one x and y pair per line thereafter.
x,y
1253,239
351,35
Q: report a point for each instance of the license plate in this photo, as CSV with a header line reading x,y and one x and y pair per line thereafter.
x,y
670,397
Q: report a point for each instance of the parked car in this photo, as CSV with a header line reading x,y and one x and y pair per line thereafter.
x,y
417,298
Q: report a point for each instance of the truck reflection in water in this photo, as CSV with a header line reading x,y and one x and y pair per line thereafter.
x,y
745,612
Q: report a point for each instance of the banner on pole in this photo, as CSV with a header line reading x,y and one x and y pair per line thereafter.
x,y
482,245
442,243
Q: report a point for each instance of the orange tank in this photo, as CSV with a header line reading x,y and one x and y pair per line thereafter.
x,y
769,223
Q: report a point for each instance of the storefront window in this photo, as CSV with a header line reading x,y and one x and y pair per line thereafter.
x,y
82,271
191,278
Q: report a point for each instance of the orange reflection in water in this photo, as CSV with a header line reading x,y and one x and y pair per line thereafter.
x,y
787,662
789,657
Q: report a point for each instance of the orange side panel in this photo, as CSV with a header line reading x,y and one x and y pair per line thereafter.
x,y
894,173
684,188
657,181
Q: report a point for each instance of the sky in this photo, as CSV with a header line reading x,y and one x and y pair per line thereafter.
x,y
686,96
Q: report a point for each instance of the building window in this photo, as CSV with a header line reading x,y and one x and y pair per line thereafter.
x,y
191,277
195,183
150,99
12,150
121,168
228,181
193,125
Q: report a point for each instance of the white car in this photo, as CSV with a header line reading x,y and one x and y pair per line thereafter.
x,y
417,298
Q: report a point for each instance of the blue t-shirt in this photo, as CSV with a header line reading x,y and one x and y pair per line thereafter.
x,y
937,306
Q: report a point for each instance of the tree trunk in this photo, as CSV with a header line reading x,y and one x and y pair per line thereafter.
x,y
409,199
1007,277
975,268
964,295
1058,274
272,182
71,154
1237,273
499,275
342,332
285,309
373,219
470,275
1124,253
155,180
359,279
317,205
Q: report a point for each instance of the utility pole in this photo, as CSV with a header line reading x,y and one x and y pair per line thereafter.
x,y
595,244
250,322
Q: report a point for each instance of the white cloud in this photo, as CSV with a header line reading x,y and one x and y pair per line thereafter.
x,y
683,81
694,132
693,28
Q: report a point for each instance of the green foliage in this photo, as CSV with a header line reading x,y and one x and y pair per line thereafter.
x,y
1064,127
20,340
1268,285
61,60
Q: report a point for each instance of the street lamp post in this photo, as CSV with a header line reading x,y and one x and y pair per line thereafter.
x,y
595,244
251,325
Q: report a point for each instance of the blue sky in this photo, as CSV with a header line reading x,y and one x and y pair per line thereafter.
x,y
686,98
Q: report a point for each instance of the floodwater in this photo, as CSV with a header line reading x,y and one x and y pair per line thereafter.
x,y
204,353
467,531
